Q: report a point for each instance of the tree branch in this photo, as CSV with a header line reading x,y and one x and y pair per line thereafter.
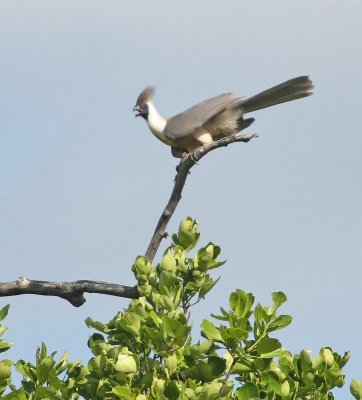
x,y
71,291
182,172
74,291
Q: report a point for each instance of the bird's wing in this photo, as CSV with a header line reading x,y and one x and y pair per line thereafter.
x,y
193,118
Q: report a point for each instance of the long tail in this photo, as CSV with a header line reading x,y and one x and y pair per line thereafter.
x,y
290,90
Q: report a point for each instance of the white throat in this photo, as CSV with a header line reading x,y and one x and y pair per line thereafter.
x,y
156,122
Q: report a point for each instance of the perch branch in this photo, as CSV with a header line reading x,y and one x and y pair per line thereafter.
x,y
182,172
74,291
71,291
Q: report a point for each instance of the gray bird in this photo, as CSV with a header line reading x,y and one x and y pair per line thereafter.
x,y
215,118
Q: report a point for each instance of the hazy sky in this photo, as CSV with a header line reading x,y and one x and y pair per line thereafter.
x,y
82,182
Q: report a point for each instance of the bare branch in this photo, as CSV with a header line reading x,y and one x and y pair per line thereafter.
x,y
74,291
71,291
182,172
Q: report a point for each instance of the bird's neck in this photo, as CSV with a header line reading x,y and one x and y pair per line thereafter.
x,y
156,122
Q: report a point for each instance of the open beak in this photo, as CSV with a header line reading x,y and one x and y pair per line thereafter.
x,y
139,111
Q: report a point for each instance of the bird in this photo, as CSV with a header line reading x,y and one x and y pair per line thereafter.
x,y
215,118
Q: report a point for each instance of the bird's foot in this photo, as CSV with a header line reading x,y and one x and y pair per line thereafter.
x,y
194,157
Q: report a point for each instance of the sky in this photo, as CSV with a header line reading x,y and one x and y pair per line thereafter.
x,y
83,182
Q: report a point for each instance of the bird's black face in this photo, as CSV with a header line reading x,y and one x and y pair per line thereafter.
x,y
142,110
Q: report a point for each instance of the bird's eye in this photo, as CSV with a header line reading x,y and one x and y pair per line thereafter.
x,y
144,108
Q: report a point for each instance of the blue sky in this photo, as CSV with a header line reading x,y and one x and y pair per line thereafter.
x,y
82,182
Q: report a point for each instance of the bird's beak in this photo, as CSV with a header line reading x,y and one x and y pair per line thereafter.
x,y
139,111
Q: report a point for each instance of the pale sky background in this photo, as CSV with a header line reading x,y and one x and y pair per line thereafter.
x,y
82,182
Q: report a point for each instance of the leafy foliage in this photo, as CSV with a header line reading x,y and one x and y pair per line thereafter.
x,y
146,351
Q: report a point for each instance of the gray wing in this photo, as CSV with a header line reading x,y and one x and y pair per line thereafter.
x,y
190,120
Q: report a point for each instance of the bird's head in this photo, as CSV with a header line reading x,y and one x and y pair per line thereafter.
x,y
143,100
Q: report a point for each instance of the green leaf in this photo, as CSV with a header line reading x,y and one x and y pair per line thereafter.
x,y
155,318
242,366
268,345
278,299
233,333
318,362
285,389
191,287
210,331
280,322
201,348
3,329
146,381
328,356
131,323
41,352
158,386
62,364
170,326
167,279
43,369
205,256
95,325
356,389
261,320
22,368
220,317
206,286
5,370
343,360
4,345
308,379
126,363
249,391
215,264
165,302
142,397
333,376
171,363
15,395
241,303
4,312
270,381
122,392
181,259
45,393
209,370
97,365
324,358
305,360
172,391
225,315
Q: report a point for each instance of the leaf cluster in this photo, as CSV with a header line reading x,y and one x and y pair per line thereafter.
x,y
147,352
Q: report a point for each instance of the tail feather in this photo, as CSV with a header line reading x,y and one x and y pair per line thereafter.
x,y
292,89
